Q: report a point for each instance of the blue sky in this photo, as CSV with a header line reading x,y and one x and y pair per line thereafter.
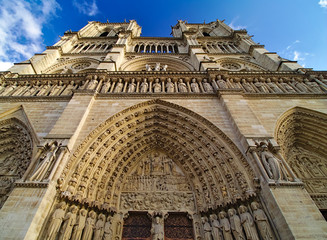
x,y
295,29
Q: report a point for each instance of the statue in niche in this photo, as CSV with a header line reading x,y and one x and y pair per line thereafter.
x,y
216,234
93,83
225,226
99,227
260,86
235,223
8,89
156,86
287,87
69,221
107,229
56,220
207,86
131,86
79,225
148,68
182,86
221,83
273,86
170,86
301,86
248,223
89,226
262,222
313,86
271,163
157,67
55,91
119,86
247,86
157,229
69,89
106,86
164,68
195,86
206,228
47,157
144,86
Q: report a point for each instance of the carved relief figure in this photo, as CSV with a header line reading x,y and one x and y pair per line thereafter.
x,y
273,86
206,228
313,86
107,229
287,87
144,86
106,86
69,89
225,225
56,220
69,221
221,83
157,229
131,86
260,86
195,86
207,86
235,223
170,86
148,67
182,86
119,86
271,163
99,227
262,222
157,67
216,234
248,224
89,226
79,225
164,68
157,86
93,83
247,86
46,160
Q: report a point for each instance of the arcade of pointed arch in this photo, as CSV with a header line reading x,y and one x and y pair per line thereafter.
x,y
301,133
218,171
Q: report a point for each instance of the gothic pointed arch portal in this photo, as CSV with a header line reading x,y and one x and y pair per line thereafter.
x,y
157,157
302,135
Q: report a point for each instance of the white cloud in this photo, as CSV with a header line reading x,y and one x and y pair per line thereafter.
x,y
86,7
323,3
297,56
21,24
236,27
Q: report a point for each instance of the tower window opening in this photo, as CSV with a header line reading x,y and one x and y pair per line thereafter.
x,y
175,49
142,49
206,34
164,49
153,49
147,49
170,49
136,49
104,34
159,49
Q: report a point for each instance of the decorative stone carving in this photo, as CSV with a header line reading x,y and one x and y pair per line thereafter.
x,y
216,233
225,226
156,86
157,67
157,229
79,225
119,86
131,86
99,227
262,222
106,86
195,86
148,67
207,229
248,223
93,83
69,221
230,66
273,86
170,86
235,223
182,86
56,220
89,226
207,86
221,83
144,86
260,86
81,65
247,86
107,229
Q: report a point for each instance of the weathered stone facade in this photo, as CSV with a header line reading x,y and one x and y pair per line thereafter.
x,y
204,135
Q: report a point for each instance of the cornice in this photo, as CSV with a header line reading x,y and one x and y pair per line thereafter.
x,y
156,54
286,95
154,95
35,98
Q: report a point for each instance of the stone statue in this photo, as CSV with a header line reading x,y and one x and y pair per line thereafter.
x,y
89,226
221,83
206,228
262,222
273,86
247,86
313,86
56,220
271,163
235,223
148,67
8,89
216,234
93,84
260,86
144,86
248,223
55,91
69,89
156,86
107,229
287,87
157,229
170,86
46,160
225,226
195,86
65,70
131,86
69,221
301,86
207,86
182,86
105,88
164,68
99,227
157,67
119,86
79,225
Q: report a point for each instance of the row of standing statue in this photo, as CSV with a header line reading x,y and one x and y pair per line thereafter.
x,y
74,223
162,85
244,225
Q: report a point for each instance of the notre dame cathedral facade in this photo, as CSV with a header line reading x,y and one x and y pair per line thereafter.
x,y
203,135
